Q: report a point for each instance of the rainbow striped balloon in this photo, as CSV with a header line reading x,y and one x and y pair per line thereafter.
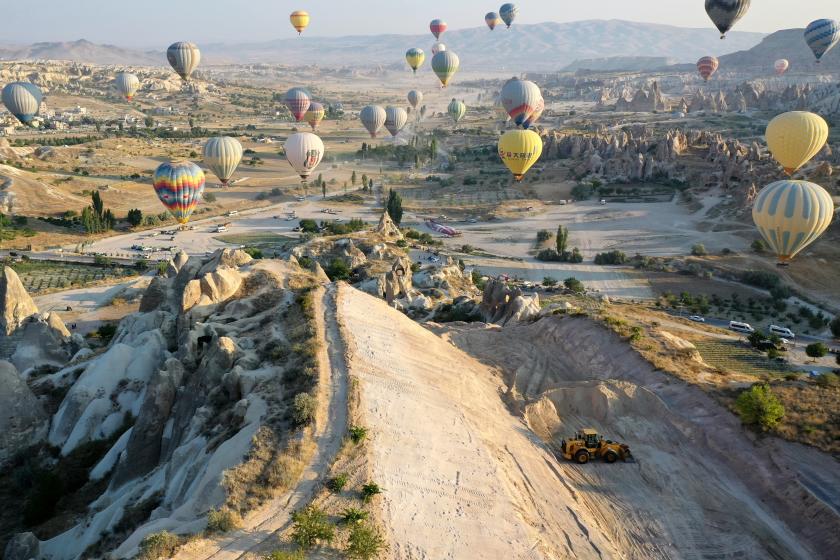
x,y
179,186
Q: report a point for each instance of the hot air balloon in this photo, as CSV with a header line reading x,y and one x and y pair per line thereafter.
x,y
438,47
222,155
415,98
127,84
492,19
520,99
726,13
298,101
372,117
445,64
438,26
395,119
457,110
184,58
415,58
796,137
821,36
790,215
300,20
304,151
508,13
23,100
519,150
314,115
781,66
535,116
707,66
179,186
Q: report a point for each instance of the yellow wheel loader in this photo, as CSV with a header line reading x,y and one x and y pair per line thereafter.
x,y
588,445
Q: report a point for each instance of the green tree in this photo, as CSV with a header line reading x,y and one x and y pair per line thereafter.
x,y
97,204
759,406
311,526
548,282
394,206
699,250
353,178
433,147
574,285
816,350
135,217
562,239
364,543
364,179
835,327
323,189
759,246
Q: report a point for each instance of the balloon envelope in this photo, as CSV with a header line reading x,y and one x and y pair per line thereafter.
x,y
726,13
179,186
395,119
437,26
415,58
821,36
222,155
535,116
781,66
520,98
299,20
508,13
790,215
445,64
438,47
492,19
372,117
184,58
23,100
796,137
304,152
315,114
298,101
707,66
457,110
519,150
415,98
127,84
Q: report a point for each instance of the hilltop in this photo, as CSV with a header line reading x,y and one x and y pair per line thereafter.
x,y
787,43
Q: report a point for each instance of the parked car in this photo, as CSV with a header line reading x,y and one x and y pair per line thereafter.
x,y
697,319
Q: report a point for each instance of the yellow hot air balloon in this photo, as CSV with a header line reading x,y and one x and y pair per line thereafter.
x,y
519,150
790,215
300,20
796,137
415,58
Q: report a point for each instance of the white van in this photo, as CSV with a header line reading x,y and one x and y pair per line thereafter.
x,y
221,229
784,332
741,327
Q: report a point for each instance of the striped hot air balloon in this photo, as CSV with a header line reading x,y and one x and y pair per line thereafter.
x,y
535,116
707,66
520,150
492,19
314,115
222,155
457,110
184,58
726,13
395,119
415,58
781,66
23,100
821,36
438,47
445,64
415,98
508,13
179,186
127,84
372,117
794,138
520,98
299,20
298,101
437,26
304,152
790,215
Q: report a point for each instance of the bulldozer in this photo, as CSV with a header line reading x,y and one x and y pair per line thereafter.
x,y
588,445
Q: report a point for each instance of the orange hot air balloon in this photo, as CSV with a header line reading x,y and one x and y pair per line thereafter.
x,y
707,66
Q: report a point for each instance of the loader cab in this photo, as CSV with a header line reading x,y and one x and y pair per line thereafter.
x,y
590,438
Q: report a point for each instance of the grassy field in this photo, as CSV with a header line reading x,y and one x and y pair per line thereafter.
x,y
735,357
43,276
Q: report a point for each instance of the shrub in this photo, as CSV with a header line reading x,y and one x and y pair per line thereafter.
x,y
828,380
338,270
636,334
370,490
222,520
353,515
478,279
542,236
835,326
209,197
159,545
358,434
574,285
305,406
308,225
759,406
338,482
254,252
47,489
549,255
311,526
816,350
699,250
548,281
364,543
611,257
759,246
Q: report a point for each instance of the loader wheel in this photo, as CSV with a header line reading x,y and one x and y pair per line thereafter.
x,y
582,457
610,457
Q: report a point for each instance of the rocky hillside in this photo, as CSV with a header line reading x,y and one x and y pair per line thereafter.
x,y
789,44
82,51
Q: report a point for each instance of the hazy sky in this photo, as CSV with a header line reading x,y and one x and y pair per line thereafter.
x,y
153,23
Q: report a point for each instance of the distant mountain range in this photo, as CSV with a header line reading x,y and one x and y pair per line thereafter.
x,y
621,64
543,46
789,44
